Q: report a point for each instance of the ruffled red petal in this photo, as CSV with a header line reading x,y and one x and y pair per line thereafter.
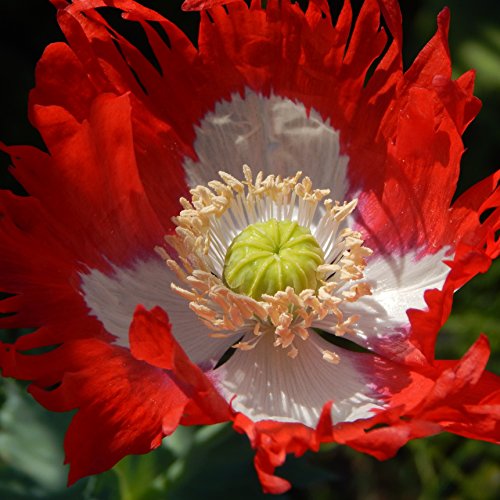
x,y
37,266
203,4
407,159
151,340
118,121
455,396
89,184
124,406
273,440
473,255
127,401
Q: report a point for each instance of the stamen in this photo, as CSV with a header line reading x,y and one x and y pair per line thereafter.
x,y
331,357
210,223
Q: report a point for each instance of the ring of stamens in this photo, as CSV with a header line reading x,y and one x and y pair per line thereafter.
x,y
218,213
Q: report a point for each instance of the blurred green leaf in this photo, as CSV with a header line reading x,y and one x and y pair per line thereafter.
x,y
484,57
31,448
28,441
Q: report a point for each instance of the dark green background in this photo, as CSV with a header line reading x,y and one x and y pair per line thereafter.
x,y
215,462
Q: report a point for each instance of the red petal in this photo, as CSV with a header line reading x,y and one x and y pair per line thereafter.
x,y
466,399
406,161
151,340
434,59
59,63
124,406
37,266
273,440
104,193
117,66
468,262
203,4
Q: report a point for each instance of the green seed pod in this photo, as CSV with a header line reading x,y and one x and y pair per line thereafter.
x,y
270,256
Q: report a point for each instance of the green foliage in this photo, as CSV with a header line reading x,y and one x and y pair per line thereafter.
x,y
31,451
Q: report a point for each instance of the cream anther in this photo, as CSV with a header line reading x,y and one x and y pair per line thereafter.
x,y
216,214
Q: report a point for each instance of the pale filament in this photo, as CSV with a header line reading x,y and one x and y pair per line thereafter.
x,y
218,213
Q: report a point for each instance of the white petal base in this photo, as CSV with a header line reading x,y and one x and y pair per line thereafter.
x,y
113,299
270,134
266,384
398,283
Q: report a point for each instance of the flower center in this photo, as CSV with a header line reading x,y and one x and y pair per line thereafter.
x,y
270,256
263,256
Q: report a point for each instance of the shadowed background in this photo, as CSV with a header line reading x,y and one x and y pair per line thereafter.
x,y
215,462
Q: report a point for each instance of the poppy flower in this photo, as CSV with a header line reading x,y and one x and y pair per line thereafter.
x,y
259,229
